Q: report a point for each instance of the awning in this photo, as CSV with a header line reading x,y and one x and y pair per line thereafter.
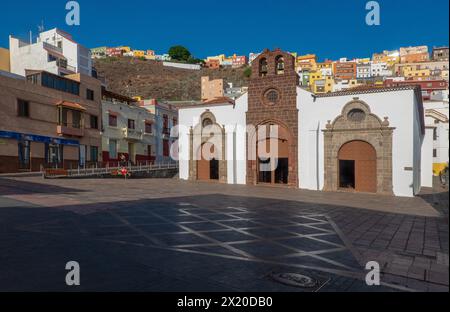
x,y
71,105
36,138
113,113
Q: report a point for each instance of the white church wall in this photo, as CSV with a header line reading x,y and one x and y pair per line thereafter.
x,y
234,120
399,106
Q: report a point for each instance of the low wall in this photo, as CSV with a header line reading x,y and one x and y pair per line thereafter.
x,y
182,65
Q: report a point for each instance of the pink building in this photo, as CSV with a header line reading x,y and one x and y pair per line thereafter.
x,y
239,61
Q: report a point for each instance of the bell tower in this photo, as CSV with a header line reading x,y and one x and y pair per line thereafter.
x,y
272,100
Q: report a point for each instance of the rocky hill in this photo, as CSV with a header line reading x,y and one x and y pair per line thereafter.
x,y
150,79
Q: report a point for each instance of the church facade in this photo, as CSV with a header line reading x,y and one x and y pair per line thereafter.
x,y
278,134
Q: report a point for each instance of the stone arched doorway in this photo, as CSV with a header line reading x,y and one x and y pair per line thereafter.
x,y
363,140
358,167
207,163
274,158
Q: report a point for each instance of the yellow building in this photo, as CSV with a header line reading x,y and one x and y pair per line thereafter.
x,y
320,83
220,57
138,53
4,60
389,57
125,49
307,62
416,72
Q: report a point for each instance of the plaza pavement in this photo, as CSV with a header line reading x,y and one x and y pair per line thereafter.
x,y
171,235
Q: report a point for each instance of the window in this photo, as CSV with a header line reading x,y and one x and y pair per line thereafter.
x,y
149,150
131,124
94,153
206,122
54,154
90,94
60,83
434,153
112,149
165,124
94,122
356,115
76,119
23,108
166,149
51,58
272,97
148,127
24,155
112,120
435,136
263,68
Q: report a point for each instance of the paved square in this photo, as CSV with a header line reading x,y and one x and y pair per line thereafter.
x,y
167,235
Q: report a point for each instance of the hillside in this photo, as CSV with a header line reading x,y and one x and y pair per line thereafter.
x,y
150,79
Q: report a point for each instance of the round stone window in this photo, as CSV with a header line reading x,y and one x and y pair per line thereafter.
x,y
271,97
206,122
356,115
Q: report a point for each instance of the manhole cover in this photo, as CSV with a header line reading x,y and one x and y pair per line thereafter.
x,y
295,280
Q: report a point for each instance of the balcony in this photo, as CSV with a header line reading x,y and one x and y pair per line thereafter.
x,y
132,134
70,130
52,48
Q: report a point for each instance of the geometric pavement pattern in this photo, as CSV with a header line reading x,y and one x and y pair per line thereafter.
x,y
306,241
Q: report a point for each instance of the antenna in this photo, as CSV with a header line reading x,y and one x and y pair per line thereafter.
x,y
41,27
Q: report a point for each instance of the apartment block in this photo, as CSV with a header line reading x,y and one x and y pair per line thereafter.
x,y
128,131
55,51
344,70
49,121
414,54
440,54
166,118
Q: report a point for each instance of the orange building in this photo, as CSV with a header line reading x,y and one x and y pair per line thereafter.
x,y
213,64
414,54
344,70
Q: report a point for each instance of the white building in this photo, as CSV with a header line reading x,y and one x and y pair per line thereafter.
x,y
54,51
380,69
128,131
437,119
363,71
353,141
166,117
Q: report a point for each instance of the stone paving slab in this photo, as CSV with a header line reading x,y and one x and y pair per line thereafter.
x,y
167,223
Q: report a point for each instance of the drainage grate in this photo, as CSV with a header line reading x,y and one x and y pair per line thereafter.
x,y
295,280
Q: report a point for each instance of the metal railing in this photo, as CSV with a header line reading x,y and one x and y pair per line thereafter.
x,y
107,170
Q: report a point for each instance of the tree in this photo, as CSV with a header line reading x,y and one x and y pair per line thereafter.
x,y
248,72
179,53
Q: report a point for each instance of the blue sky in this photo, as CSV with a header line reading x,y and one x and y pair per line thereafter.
x,y
329,28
